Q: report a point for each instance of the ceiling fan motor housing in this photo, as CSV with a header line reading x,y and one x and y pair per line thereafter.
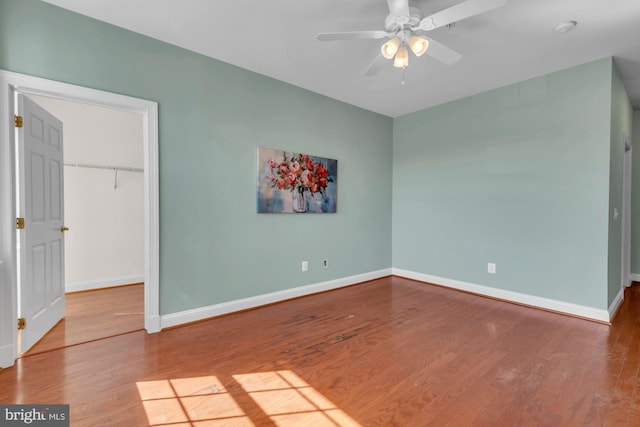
x,y
394,24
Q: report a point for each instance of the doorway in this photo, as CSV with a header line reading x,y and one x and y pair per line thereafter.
x,y
10,85
104,218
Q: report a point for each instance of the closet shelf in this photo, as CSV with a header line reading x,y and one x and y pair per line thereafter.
x,y
107,167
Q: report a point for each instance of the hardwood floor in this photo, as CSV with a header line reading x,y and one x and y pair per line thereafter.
x,y
96,314
391,352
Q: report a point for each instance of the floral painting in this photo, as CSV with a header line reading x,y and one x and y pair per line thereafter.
x,y
296,182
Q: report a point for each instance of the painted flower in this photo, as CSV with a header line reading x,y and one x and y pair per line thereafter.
x,y
272,163
281,184
321,171
309,165
271,177
291,178
284,168
322,182
295,167
307,178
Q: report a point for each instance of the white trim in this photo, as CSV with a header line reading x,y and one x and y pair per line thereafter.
x,y
13,82
617,302
8,305
201,313
104,283
531,300
634,277
626,211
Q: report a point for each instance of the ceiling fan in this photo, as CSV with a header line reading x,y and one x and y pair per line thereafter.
x,y
405,27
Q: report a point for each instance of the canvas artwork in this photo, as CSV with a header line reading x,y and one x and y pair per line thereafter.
x,y
296,182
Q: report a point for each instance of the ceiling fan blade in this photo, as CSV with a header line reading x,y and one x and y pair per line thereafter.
x,y
351,35
459,12
398,7
375,65
442,53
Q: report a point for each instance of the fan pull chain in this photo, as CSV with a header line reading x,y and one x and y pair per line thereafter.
x,y
403,69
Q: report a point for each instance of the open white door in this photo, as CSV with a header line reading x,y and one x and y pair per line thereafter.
x,y
41,254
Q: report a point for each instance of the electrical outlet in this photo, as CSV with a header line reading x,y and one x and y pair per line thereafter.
x,y
305,265
491,268
325,263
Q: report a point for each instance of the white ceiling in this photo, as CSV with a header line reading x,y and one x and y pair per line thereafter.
x,y
277,38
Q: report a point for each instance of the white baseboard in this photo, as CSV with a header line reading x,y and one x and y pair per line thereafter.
x,y
616,303
7,358
175,319
634,277
530,300
99,284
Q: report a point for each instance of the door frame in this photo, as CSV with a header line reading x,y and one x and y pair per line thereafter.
x,y
627,166
13,83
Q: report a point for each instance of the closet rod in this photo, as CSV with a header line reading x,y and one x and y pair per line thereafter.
x,y
116,168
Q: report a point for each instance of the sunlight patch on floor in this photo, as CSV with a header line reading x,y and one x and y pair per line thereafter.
x,y
190,400
203,401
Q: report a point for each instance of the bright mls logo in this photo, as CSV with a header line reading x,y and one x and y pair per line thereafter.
x,y
35,415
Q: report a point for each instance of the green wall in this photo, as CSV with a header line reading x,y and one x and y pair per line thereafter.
x,y
621,127
635,197
214,246
518,176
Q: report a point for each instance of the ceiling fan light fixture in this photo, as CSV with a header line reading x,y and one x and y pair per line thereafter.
x,y
390,48
418,45
402,58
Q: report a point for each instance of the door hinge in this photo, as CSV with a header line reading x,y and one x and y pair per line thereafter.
x,y
22,323
20,223
17,120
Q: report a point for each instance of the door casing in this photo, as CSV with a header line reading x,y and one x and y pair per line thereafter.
x,y
626,211
13,83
